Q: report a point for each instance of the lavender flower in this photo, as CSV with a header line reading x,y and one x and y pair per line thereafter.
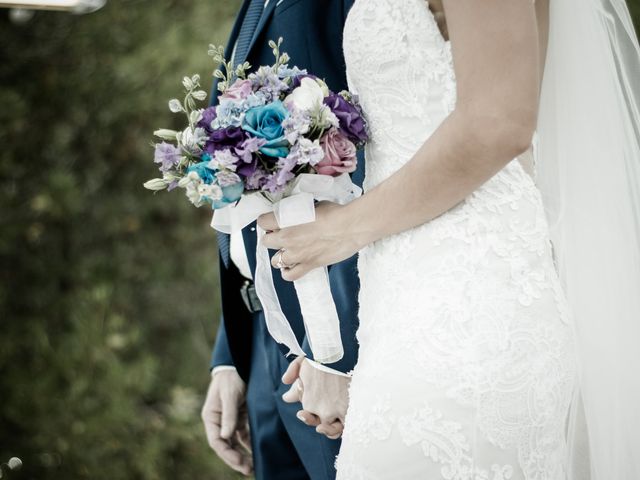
x,y
167,155
226,178
267,82
306,152
296,125
285,72
250,146
257,179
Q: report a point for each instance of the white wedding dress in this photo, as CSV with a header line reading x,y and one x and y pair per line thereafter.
x,y
467,364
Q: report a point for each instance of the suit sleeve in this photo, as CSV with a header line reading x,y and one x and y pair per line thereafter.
x,y
221,355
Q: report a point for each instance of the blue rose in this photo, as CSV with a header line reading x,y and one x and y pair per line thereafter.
x,y
266,122
230,195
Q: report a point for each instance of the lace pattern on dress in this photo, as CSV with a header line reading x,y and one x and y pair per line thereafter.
x,y
466,345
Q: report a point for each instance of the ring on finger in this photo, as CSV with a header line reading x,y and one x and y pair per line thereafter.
x,y
280,261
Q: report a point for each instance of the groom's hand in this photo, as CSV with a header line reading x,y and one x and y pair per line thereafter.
x,y
224,415
324,396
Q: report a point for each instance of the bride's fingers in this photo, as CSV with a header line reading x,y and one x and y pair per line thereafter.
x,y
293,371
286,256
294,273
268,222
273,240
294,394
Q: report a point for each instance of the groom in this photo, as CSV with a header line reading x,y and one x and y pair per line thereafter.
x,y
247,364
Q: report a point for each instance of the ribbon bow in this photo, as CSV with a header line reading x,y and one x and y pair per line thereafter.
x,y
295,207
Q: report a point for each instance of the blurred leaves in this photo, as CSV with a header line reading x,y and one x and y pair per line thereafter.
x,y
108,293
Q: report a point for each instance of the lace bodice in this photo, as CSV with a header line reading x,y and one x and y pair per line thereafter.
x,y
404,78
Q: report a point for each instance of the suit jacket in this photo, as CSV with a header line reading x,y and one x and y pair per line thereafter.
x,y
312,33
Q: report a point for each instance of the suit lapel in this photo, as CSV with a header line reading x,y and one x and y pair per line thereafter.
x,y
266,15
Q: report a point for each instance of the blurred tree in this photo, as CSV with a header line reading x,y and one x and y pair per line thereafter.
x,y
108,294
634,7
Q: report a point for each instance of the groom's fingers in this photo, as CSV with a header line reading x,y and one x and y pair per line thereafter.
x,y
308,418
332,431
229,455
268,222
229,419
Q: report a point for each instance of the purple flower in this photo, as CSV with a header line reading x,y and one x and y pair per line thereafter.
x,y
351,122
167,155
208,116
256,180
224,138
248,169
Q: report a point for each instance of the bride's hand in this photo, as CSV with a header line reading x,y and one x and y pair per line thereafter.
x,y
302,248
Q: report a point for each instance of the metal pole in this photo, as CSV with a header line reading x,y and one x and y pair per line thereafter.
x,y
75,6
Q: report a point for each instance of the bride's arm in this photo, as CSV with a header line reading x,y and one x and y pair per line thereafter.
x,y
495,51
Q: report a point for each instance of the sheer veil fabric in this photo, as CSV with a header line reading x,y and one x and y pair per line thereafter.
x,y
588,170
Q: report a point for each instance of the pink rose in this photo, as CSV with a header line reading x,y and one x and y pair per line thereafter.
x,y
240,90
339,154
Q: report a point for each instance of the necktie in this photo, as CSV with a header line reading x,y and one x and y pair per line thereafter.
x,y
247,30
243,42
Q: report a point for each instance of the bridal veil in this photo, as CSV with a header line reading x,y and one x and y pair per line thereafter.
x,y
588,169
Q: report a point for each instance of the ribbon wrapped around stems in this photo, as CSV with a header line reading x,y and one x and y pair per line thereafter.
x,y
295,207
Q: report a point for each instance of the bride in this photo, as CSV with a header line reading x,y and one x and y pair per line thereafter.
x,y
499,241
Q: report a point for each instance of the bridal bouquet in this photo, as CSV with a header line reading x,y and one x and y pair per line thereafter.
x,y
277,140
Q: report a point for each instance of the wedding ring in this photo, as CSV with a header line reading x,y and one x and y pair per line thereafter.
x,y
279,261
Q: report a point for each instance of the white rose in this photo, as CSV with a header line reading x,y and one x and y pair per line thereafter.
x,y
193,195
308,96
323,86
214,192
193,139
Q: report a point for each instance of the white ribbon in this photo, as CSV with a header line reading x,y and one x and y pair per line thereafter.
x,y
296,207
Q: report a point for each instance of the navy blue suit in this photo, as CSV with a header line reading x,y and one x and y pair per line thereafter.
x,y
283,447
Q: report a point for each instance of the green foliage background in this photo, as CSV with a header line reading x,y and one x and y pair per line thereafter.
x,y
108,294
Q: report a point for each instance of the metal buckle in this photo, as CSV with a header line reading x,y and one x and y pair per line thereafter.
x,y
250,297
